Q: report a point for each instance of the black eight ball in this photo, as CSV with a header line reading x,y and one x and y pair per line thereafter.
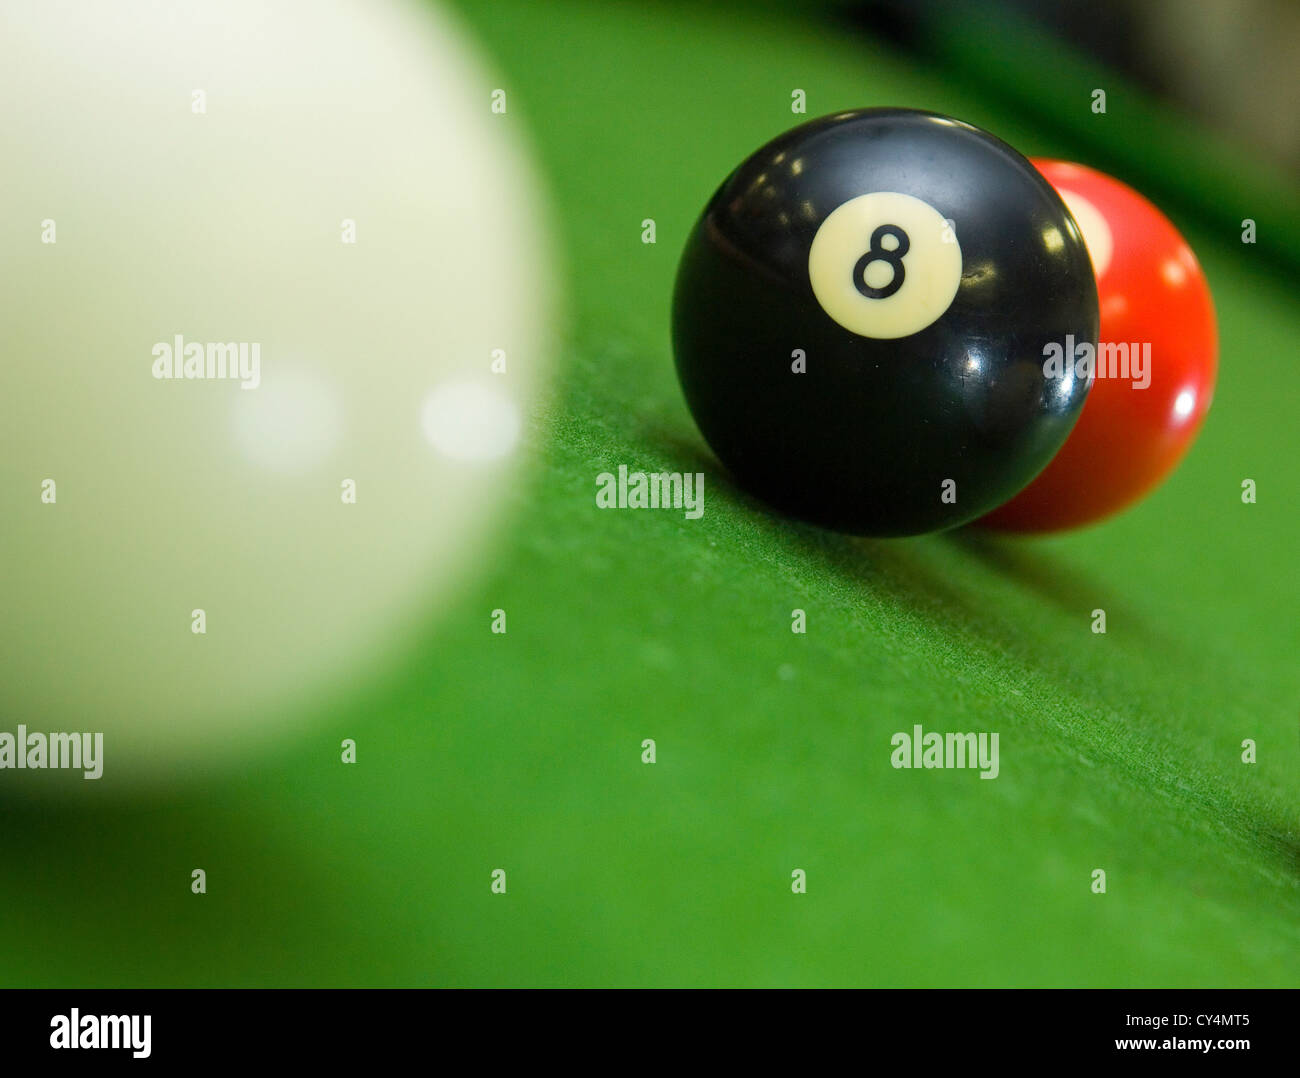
x,y
861,315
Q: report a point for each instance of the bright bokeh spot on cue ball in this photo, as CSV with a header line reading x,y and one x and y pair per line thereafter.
x,y
225,224
291,423
471,421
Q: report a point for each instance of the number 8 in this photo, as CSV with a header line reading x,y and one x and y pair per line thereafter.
x,y
891,257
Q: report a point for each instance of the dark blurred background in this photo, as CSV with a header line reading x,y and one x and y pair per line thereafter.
x,y
1229,63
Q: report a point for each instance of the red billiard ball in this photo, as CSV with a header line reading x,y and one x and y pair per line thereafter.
x,y
1155,365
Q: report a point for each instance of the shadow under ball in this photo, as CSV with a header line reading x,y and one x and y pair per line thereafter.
x,y
920,266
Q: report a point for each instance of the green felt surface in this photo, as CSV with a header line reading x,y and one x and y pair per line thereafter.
x,y
1118,751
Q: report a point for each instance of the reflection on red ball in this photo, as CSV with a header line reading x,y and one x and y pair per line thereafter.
x,y
1152,293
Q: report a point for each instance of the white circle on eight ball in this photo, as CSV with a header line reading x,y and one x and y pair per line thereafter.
x,y
885,265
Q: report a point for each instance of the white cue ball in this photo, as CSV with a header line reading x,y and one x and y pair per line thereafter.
x,y
199,161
